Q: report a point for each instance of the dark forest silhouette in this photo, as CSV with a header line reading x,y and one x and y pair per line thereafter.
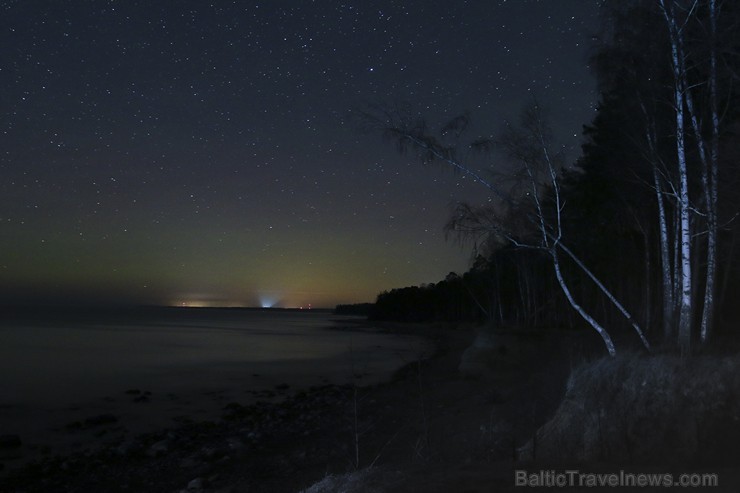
x,y
640,235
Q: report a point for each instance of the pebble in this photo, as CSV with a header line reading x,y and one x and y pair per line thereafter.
x,y
158,449
189,463
195,484
235,443
199,448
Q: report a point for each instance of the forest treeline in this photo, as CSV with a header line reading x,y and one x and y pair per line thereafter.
x,y
638,239
509,288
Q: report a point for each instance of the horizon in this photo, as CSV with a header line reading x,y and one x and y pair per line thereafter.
x,y
159,156
35,304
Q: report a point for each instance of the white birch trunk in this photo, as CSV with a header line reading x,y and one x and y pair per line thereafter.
x,y
666,263
707,317
686,307
669,305
588,318
550,241
708,172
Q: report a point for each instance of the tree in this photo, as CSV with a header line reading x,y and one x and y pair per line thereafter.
x,y
526,214
674,78
675,30
648,182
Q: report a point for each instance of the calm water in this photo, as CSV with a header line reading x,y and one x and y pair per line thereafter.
x,y
63,357
65,366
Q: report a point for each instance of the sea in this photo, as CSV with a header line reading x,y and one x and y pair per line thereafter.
x,y
150,365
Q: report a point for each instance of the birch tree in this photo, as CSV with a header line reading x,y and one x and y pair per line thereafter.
x,y
520,215
707,149
678,63
710,177
685,180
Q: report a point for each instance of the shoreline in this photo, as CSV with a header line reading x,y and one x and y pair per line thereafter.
x,y
426,421
42,401
428,428
104,426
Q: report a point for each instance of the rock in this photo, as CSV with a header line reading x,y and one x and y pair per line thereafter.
x,y
127,446
235,444
189,463
195,484
159,448
210,453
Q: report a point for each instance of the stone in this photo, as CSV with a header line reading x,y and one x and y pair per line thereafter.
x,y
235,444
159,448
195,484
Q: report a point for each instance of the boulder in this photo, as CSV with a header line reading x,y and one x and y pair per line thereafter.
x,y
159,448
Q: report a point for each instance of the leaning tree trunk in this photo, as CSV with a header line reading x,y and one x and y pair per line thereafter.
x,y
430,149
588,318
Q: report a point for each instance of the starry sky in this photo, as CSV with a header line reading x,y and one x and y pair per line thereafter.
x,y
201,153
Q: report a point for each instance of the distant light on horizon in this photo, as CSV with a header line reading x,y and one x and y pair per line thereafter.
x,y
206,302
132,175
268,301
268,298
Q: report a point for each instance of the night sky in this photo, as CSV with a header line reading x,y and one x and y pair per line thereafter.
x,y
201,153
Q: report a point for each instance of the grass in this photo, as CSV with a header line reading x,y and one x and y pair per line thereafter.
x,y
638,408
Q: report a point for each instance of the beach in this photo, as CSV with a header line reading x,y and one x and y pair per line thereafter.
x,y
426,427
66,373
423,420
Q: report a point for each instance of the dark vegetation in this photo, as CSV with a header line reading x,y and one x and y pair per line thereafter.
x,y
361,309
507,289
670,260
648,212
638,409
636,241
